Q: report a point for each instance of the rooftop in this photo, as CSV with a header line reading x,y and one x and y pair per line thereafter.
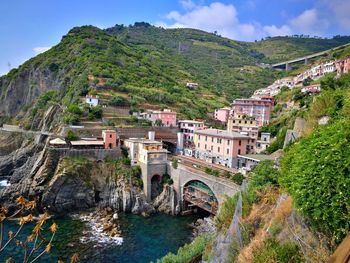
x,y
191,121
58,141
221,133
87,143
143,140
257,157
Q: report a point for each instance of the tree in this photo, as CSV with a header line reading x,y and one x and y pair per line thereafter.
x,y
158,123
95,112
74,109
71,136
307,81
315,171
119,101
264,173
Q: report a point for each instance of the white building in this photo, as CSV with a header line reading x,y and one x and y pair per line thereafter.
x,y
187,129
92,100
263,143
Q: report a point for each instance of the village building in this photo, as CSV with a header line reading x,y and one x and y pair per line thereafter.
x,y
145,151
315,88
246,162
187,129
221,147
93,101
342,66
192,85
88,144
110,139
58,143
263,143
259,109
243,124
222,114
165,118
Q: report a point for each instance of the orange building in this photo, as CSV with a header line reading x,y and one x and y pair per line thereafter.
x,y
109,139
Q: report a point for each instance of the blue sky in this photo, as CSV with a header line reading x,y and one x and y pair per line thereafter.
x,y
30,27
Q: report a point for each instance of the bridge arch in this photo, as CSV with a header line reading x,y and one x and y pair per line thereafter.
x,y
199,194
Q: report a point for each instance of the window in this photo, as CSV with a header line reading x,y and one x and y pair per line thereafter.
x,y
245,122
110,136
199,145
206,137
218,149
228,142
228,151
212,139
205,146
239,142
239,151
211,147
199,137
217,140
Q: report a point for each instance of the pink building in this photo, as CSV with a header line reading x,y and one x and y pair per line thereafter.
x,y
109,139
166,117
222,147
343,66
222,114
260,109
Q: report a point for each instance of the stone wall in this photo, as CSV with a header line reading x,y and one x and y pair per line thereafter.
x,y
99,154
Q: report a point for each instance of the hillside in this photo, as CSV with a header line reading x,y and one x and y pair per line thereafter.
x,y
147,65
279,49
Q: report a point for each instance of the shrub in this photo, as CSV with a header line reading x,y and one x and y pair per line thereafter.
x,y
95,112
119,101
273,251
188,252
315,171
166,179
71,136
264,173
174,163
237,178
208,170
74,108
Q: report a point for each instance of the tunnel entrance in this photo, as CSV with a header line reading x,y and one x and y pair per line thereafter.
x,y
197,194
155,186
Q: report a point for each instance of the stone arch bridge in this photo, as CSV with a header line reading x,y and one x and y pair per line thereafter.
x,y
182,176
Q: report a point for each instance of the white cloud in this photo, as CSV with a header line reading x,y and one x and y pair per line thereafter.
x,y
187,4
277,31
39,50
323,17
214,17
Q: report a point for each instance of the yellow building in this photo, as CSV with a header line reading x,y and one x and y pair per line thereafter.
x,y
243,124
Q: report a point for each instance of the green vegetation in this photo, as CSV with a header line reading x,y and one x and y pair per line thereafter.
x,y
188,252
95,113
174,163
278,49
119,101
275,252
71,136
315,171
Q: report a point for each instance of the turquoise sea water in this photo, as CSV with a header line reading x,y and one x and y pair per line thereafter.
x,y
145,240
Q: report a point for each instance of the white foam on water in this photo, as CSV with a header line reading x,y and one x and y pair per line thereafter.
x,y
94,232
4,183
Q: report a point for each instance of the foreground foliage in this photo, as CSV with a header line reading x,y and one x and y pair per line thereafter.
x,y
315,171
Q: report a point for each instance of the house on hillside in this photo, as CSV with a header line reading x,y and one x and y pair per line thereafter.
x,y
222,114
243,124
311,89
260,109
192,85
92,100
342,66
187,129
166,117
221,147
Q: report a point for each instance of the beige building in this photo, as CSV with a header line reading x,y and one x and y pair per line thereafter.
x,y
243,124
145,151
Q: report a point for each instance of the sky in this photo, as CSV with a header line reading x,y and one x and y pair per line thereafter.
x,y
28,28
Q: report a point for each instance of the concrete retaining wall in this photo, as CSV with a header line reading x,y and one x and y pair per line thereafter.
x,y
99,154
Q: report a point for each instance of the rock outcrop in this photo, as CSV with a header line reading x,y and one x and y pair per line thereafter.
x,y
166,202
